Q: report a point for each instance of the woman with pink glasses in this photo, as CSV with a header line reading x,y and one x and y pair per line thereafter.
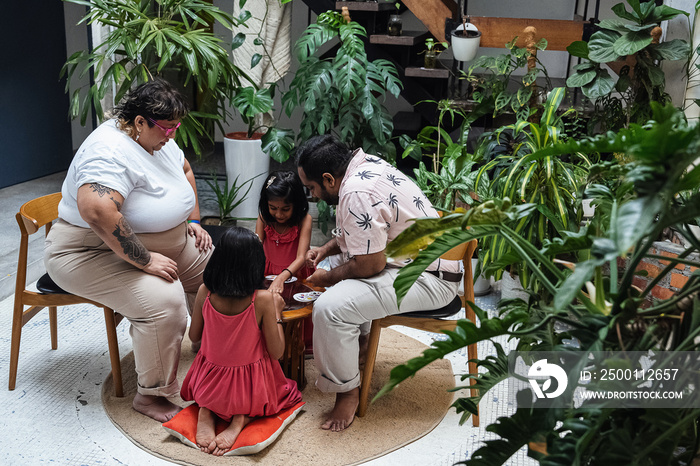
x,y
128,234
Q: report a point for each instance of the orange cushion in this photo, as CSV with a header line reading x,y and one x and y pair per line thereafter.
x,y
257,435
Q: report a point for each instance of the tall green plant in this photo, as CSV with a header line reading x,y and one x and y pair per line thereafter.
x,y
626,99
341,92
614,317
550,183
167,38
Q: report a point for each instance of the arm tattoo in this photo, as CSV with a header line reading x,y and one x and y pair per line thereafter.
x,y
130,243
100,189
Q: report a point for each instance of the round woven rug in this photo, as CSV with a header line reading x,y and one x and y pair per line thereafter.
x,y
408,413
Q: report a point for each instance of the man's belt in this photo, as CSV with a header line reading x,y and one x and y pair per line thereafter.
x,y
447,276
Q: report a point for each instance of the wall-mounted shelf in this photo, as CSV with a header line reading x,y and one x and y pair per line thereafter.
x,y
365,6
406,38
420,72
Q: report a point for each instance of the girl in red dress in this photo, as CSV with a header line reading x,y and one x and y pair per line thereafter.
x,y
284,227
235,374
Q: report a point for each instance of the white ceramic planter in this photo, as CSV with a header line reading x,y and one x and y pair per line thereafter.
x,y
245,159
482,285
511,288
465,48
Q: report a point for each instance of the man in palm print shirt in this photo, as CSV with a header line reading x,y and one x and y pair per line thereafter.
x,y
375,203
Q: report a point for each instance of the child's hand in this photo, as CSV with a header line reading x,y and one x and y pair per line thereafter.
x,y
277,286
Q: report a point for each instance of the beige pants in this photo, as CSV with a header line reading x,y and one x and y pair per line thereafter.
x,y
346,309
80,263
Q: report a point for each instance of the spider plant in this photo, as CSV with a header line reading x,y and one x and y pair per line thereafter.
x,y
613,317
550,183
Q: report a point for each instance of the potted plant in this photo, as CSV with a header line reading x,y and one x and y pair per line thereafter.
x,y
633,35
228,197
394,25
612,316
432,50
465,41
341,94
166,39
491,83
243,150
551,183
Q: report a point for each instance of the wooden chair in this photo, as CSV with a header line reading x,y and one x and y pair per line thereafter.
x,y
431,321
31,217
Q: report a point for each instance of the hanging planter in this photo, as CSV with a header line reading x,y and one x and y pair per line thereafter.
x,y
465,41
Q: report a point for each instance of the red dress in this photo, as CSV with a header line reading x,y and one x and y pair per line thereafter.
x,y
233,373
281,251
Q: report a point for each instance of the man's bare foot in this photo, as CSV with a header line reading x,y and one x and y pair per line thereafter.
x,y
156,407
343,412
205,430
225,440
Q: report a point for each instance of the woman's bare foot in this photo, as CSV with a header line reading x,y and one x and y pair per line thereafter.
x,y
156,407
225,440
343,412
205,430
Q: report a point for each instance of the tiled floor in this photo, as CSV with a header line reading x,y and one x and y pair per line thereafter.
x,y
55,415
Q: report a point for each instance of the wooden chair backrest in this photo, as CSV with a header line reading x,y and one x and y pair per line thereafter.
x,y
38,212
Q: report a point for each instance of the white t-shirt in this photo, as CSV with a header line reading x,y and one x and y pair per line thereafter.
x,y
157,195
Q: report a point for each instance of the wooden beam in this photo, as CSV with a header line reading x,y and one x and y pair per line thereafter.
x,y
497,32
433,13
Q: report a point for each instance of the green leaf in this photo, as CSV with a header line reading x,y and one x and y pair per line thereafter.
x,y
601,86
278,143
255,59
600,47
237,41
631,43
616,25
675,49
579,78
622,12
578,48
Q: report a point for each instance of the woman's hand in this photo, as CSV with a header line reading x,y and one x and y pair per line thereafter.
x,y
202,238
161,266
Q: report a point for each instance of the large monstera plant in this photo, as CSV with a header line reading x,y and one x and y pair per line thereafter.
x,y
633,33
341,92
608,314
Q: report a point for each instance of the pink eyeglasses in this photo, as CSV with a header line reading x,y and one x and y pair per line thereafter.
x,y
168,131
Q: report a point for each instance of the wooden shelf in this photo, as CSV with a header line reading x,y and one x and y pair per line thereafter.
x,y
366,6
436,73
496,32
406,38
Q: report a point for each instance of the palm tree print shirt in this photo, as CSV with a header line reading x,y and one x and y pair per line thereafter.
x,y
377,202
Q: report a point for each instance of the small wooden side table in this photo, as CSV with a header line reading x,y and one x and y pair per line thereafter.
x,y
293,316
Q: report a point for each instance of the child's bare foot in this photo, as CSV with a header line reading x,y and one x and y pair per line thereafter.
x,y
225,440
343,412
156,407
205,430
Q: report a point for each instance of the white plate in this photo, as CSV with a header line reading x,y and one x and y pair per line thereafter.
x,y
289,280
307,297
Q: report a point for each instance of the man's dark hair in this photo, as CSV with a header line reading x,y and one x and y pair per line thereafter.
x,y
323,154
